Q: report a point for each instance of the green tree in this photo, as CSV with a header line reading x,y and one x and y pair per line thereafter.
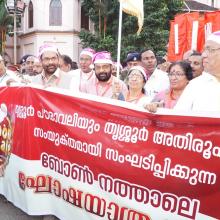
x,y
5,20
105,14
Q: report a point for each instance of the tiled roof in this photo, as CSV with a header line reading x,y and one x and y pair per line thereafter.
x,y
197,6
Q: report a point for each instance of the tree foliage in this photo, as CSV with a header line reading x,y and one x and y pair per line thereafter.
x,y
105,13
5,18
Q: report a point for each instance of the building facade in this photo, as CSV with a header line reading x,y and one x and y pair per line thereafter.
x,y
55,22
213,3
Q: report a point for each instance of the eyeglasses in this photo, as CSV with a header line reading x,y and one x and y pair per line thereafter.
x,y
137,76
210,50
47,59
85,60
176,74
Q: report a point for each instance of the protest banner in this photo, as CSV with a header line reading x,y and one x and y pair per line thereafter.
x,y
77,158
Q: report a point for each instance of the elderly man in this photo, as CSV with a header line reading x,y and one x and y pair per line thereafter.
x,y
104,83
37,68
85,72
4,73
51,75
195,60
157,79
203,92
30,65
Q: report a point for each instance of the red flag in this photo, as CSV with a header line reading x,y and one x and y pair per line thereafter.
x,y
192,30
212,23
178,32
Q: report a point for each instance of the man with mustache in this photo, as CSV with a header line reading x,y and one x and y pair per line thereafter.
x,y
157,79
51,75
103,82
195,60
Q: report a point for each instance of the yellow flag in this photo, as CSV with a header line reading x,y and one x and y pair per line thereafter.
x,y
134,8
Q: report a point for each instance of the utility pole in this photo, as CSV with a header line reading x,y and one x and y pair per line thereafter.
x,y
15,33
15,8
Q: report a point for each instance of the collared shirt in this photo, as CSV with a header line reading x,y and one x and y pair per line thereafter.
x,y
105,89
5,77
156,83
84,78
201,94
59,79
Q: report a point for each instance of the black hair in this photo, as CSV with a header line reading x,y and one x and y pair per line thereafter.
x,y
74,65
185,66
67,60
195,53
144,50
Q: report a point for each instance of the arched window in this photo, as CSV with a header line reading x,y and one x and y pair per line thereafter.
x,y
30,15
55,13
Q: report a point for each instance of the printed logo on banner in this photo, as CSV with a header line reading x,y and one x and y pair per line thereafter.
x,y
5,138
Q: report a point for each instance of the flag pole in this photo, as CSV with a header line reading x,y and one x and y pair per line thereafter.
x,y
119,39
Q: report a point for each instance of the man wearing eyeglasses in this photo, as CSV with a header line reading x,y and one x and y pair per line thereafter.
x,y
203,92
52,75
85,72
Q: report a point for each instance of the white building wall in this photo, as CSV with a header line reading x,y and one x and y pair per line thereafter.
x,y
65,37
209,2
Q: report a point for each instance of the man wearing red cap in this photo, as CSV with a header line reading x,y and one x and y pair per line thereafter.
x,y
203,92
104,83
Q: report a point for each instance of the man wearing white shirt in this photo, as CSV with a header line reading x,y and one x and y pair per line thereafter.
x,y
52,75
157,79
4,75
203,92
85,73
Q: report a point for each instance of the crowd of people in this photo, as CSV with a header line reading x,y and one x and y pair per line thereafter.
x,y
191,84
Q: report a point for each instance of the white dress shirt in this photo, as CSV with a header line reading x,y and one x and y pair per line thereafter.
x,y
157,82
201,94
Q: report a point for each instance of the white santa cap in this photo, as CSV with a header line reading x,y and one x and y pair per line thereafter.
x,y
88,51
47,47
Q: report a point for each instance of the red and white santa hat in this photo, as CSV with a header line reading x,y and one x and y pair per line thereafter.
x,y
88,51
102,57
215,36
47,47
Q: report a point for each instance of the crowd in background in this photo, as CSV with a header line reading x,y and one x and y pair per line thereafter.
x,y
190,84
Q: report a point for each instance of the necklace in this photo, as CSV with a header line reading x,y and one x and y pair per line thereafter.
x,y
103,89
